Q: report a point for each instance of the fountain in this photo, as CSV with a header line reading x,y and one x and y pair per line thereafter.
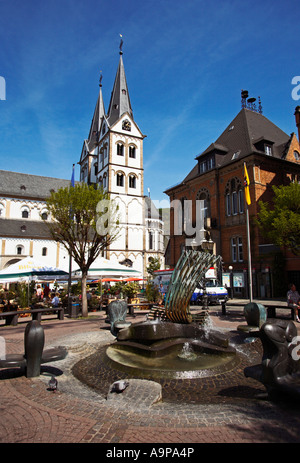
x,y
179,347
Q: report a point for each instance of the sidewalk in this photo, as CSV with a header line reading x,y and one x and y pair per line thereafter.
x,y
225,408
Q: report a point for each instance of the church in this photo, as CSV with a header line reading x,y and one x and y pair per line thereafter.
x,y
111,157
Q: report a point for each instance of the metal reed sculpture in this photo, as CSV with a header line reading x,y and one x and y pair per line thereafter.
x,y
190,269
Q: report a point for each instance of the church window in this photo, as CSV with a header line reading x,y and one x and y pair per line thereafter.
x,y
132,181
151,240
120,149
132,152
44,251
20,249
104,180
25,213
44,215
120,180
296,155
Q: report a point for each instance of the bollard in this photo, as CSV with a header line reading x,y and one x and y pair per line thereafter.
x,y
34,344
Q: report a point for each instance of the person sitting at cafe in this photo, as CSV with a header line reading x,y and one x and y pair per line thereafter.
x,y
55,300
293,300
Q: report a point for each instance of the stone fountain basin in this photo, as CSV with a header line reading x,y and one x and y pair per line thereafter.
x,y
155,330
153,349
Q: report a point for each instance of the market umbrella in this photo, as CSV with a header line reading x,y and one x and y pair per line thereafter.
x,y
104,268
29,269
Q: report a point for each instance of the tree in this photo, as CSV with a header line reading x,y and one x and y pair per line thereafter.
x,y
85,222
282,223
154,264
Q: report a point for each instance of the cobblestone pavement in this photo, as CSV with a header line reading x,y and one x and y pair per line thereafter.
x,y
225,410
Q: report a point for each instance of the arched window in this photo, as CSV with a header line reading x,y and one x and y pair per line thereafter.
x,y
132,181
44,215
120,179
132,151
25,212
120,149
234,197
105,180
19,249
203,203
2,210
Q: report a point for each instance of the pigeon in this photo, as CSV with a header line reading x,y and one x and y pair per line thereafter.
x,y
52,384
119,386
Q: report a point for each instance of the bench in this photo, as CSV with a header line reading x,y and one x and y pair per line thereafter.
x,y
139,304
11,317
270,306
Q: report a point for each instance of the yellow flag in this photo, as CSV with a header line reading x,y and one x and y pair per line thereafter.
x,y
246,184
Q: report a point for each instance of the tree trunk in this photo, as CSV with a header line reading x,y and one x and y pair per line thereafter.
x,y
83,295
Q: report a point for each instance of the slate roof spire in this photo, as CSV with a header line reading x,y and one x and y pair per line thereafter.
x,y
120,101
99,113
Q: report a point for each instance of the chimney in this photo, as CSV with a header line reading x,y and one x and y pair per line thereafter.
x,y
297,117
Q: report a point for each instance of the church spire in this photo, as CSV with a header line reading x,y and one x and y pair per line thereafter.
x,y
120,101
99,113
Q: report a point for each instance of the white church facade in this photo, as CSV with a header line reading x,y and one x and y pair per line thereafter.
x,y
112,157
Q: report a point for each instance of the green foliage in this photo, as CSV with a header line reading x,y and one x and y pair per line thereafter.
x,y
152,292
131,289
85,221
24,293
154,264
282,223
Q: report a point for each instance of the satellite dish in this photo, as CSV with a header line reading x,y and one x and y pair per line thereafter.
x,y
251,100
245,93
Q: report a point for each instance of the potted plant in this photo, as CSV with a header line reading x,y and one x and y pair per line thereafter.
x,y
131,290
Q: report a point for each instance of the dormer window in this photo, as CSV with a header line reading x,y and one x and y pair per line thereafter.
x,y
268,150
296,156
207,164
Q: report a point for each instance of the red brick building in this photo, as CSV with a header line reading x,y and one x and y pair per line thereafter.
x,y
272,158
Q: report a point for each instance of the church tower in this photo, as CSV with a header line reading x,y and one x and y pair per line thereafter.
x,y
112,157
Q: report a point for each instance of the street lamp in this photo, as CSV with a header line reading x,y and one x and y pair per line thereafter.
x,y
231,281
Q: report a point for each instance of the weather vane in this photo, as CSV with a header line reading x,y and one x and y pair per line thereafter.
x,y
100,80
121,44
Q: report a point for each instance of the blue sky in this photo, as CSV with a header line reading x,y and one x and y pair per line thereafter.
x,y
185,61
